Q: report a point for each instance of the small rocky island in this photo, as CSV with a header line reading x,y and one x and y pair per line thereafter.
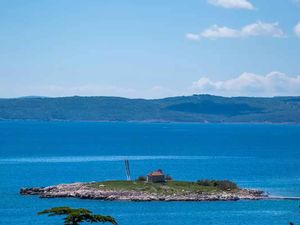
x,y
154,187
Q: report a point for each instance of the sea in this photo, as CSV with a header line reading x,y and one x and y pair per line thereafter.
x,y
258,156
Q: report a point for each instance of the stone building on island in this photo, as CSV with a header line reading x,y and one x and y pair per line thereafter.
x,y
156,177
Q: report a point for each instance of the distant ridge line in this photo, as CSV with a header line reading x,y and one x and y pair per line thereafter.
x,y
195,108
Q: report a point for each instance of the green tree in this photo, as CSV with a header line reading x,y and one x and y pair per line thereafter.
x,y
77,216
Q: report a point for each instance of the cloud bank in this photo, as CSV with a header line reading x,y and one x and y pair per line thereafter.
x,y
232,4
249,84
297,29
251,30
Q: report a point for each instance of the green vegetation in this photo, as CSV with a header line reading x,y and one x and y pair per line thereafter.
x,y
169,187
220,184
77,216
141,178
196,108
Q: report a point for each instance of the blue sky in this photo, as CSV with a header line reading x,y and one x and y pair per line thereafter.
x,y
149,48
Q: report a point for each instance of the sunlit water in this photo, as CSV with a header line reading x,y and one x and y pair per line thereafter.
x,y
255,156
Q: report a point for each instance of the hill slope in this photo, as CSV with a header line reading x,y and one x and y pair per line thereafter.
x,y
196,108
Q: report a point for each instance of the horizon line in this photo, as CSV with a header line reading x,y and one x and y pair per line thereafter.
x,y
136,98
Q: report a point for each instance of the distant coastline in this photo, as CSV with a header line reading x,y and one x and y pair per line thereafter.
x,y
182,109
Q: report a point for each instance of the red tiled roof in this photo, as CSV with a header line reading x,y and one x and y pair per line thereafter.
x,y
156,173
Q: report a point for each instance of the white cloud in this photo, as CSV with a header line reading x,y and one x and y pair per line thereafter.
x,y
251,30
220,32
235,4
262,29
297,29
193,37
248,84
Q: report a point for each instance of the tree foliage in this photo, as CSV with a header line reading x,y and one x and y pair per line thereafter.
x,y
141,178
77,216
220,184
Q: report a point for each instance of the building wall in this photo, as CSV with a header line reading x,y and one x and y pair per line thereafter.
x,y
156,178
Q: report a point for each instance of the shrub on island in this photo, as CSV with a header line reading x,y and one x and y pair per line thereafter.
x,y
169,178
220,184
141,178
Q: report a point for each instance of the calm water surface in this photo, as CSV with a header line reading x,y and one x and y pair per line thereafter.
x,y
255,156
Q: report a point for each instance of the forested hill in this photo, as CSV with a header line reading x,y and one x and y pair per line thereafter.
x,y
196,108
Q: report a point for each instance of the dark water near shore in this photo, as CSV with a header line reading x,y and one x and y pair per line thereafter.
x,y
256,156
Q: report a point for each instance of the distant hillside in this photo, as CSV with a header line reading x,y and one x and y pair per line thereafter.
x,y
196,108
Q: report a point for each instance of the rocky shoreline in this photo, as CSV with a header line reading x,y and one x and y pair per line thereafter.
x,y
84,191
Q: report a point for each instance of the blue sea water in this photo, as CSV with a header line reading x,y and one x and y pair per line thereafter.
x,y
255,156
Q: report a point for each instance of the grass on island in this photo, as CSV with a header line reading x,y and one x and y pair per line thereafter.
x,y
169,187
